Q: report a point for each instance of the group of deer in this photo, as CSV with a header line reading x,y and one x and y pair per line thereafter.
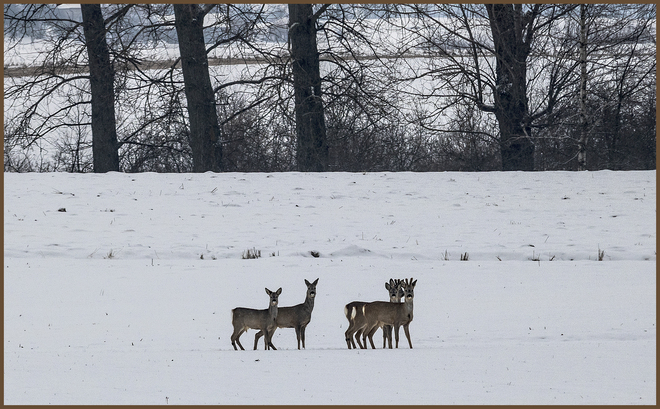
x,y
364,318
268,320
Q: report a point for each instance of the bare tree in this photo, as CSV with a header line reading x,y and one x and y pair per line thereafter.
x,y
629,73
101,78
336,87
41,99
56,89
512,31
204,129
312,148
614,46
482,54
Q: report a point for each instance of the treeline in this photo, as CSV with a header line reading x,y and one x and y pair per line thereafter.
x,y
333,87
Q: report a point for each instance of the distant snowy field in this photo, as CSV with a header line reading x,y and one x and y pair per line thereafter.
x,y
118,287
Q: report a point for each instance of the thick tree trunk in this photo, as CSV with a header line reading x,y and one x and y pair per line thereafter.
x,y
204,128
508,26
101,76
312,148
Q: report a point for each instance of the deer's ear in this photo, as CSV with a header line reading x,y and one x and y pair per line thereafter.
x,y
315,281
387,286
279,291
307,282
413,283
267,291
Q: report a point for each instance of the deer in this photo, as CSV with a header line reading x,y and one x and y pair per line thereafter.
x,y
396,294
264,320
353,313
296,316
380,313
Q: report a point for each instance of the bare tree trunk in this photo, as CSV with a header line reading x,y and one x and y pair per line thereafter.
x,y
312,148
512,35
204,128
582,142
101,76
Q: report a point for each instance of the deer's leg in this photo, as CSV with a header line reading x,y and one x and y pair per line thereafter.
x,y
267,337
302,335
351,342
364,334
396,335
235,338
256,338
350,332
270,339
349,338
360,334
405,329
371,333
387,333
261,332
348,335
298,334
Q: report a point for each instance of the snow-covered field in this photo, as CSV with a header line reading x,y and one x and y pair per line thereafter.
x,y
118,287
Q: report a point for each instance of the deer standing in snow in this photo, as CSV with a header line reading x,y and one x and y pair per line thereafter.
x,y
264,320
357,321
296,316
377,314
